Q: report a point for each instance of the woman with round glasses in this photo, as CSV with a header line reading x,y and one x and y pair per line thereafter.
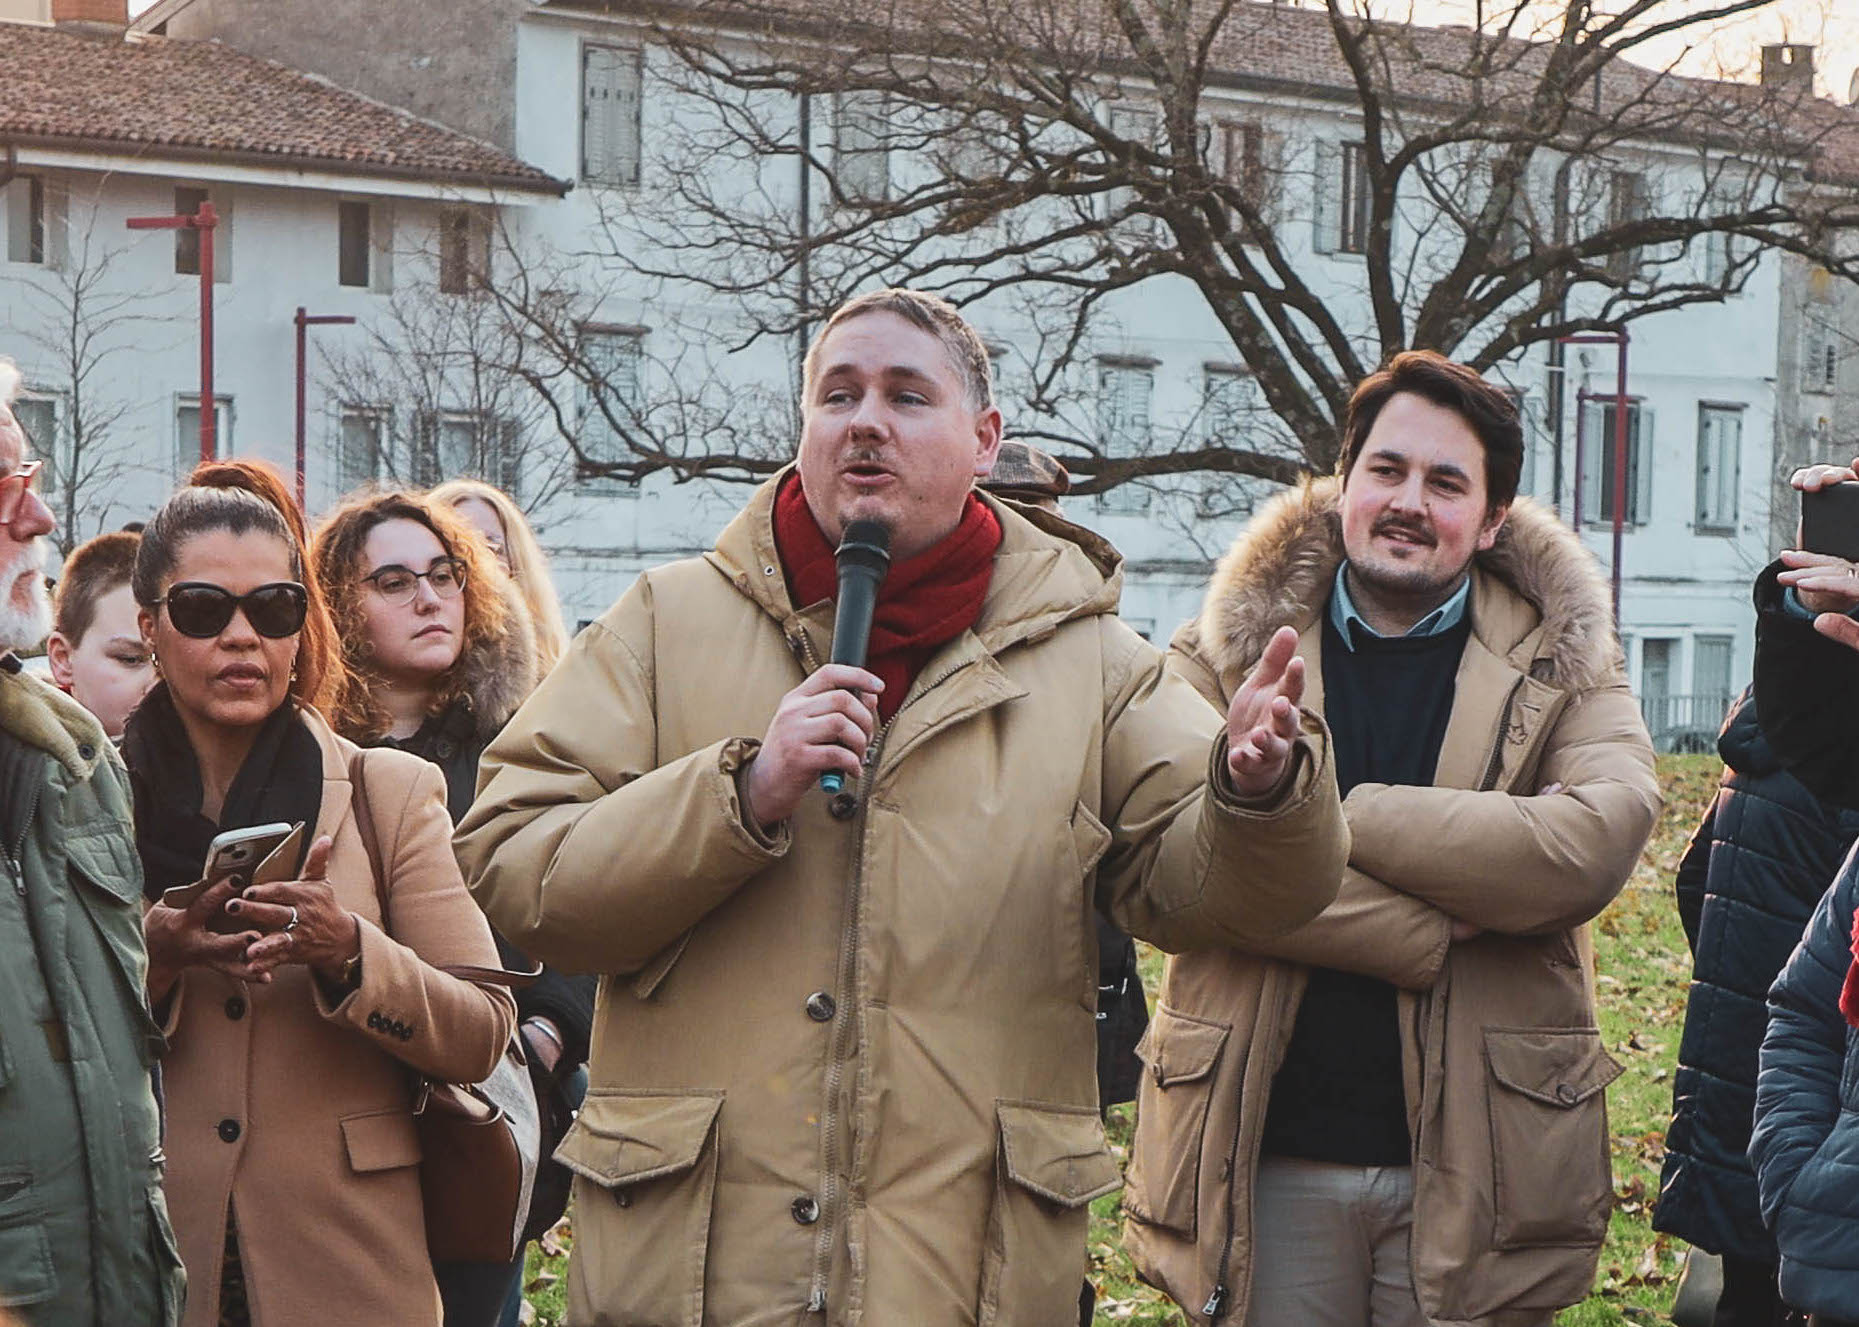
x,y
439,652
293,1010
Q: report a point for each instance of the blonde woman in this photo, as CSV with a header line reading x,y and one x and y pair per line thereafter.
x,y
494,514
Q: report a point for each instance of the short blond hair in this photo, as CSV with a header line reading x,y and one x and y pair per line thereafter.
x,y
968,353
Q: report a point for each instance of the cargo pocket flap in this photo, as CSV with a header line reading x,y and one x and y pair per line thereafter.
x,y
1556,1066
384,1140
1180,1050
618,1140
1057,1152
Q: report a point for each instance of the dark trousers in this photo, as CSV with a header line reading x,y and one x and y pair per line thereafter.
x,y
1750,1297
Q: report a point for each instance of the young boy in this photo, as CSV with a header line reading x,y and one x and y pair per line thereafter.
x,y
95,649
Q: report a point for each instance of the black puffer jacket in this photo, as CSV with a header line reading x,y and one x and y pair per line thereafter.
x,y
1763,856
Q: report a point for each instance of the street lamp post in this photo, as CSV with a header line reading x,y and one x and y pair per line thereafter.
x,y
306,321
1617,339
202,221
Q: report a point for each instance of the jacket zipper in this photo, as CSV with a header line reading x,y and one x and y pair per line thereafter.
x,y
1490,779
16,855
1222,1295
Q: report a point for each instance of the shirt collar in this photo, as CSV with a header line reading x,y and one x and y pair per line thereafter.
x,y
1346,620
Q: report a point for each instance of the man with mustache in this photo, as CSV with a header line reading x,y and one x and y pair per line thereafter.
x,y
844,1059
84,1234
1394,1116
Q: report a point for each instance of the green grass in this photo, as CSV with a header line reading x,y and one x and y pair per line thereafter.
x,y
1643,969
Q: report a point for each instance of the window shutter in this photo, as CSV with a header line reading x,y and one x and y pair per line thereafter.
x,y
1640,437
509,469
1327,219
426,449
610,105
1593,454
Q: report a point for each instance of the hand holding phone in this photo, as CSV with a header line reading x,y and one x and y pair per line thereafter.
x,y
257,854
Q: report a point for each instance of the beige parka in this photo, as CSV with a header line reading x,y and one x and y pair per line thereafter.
x,y
1504,1066
846,1074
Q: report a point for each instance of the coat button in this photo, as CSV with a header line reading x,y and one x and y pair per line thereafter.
x,y
843,806
1566,1094
86,751
820,1007
622,1197
229,1131
235,1008
806,1211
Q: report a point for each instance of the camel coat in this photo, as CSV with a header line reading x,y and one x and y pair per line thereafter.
x,y
1504,1067
297,1113
847,1073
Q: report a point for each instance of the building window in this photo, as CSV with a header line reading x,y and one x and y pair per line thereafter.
x,y
462,444
1124,392
38,419
1720,448
1820,358
1354,197
1242,160
187,201
1710,678
187,431
1227,399
611,78
615,359
25,220
861,158
362,448
1597,464
1656,700
464,249
1141,126
355,244
1626,204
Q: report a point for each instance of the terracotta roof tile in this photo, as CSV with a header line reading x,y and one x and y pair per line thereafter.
x,y
199,98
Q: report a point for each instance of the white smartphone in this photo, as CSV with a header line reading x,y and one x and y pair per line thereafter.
x,y
236,852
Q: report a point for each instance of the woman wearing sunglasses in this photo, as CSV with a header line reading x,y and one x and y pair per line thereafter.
x,y
293,1010
440,650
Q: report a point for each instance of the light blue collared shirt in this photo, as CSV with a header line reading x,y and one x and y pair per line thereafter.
x,y
1345,618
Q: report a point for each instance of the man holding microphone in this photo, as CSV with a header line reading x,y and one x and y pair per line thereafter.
x,y
843,1064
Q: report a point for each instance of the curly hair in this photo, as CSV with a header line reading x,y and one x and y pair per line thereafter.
x,y
336,563
237,497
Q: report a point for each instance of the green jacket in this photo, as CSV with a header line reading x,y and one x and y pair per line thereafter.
x,y
84,1233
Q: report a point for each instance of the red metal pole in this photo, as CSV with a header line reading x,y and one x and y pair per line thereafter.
x,y
1620,469
302,337
204,221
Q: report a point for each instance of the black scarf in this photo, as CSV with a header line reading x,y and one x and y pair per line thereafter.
x,y
281,780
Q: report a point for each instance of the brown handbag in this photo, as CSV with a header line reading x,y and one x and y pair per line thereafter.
x,y
479,1142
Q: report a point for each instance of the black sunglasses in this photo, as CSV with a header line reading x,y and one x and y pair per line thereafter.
x,y
202,610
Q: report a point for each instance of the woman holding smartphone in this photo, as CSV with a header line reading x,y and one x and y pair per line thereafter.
x,y
439,651
293,1010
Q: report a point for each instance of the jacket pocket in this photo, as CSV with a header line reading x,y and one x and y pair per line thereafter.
x,y
647,1165
1552,1180
1052,1161
27,1273
1178,1054
381,1140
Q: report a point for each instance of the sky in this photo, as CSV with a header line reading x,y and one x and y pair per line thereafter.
x,y
1730,48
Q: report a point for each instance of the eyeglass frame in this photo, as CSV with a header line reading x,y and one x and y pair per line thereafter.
x,y
238,602
26,472
459,568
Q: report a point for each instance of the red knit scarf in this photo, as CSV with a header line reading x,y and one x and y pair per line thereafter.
x,y
1849,993
925,600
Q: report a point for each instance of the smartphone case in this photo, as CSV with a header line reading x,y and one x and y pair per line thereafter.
x,y
279,864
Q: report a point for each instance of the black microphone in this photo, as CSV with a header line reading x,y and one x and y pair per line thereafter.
x,y
864,557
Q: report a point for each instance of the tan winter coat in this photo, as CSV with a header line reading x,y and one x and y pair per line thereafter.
x,y
852,1066
1504,1066
298,1113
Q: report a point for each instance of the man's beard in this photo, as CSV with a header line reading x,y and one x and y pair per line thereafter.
x,y
24,625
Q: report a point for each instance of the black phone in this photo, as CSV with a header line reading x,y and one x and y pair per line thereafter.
x,y
1830,521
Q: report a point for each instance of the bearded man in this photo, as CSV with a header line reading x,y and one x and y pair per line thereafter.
x,y
1394,1116
844,1057
84,1234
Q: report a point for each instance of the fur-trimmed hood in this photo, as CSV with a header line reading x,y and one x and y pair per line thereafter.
x,y
499,678
1279,571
